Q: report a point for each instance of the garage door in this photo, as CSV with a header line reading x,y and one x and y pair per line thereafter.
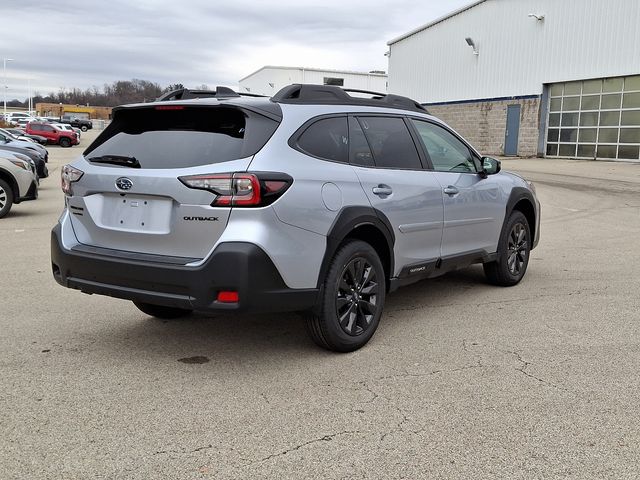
x,y
595,119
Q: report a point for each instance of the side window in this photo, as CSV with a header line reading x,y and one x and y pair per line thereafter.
x,y
390,142
327,138
447,153
36,128
47,128
359,151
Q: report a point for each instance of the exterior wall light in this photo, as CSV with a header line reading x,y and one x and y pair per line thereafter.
x,y
472,44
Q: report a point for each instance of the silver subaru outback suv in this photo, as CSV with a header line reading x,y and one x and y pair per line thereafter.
x,y
317,199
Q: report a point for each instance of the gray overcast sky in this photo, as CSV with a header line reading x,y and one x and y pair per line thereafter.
x,y
65,44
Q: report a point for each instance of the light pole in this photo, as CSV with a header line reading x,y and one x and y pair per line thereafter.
x,y
4,90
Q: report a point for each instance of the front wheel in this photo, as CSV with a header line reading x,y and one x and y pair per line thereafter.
x,y
352,299
160,311
6,198
64,142
513,253
83,128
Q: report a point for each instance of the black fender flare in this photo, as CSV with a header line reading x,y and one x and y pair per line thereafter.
x,y
347,220
518,194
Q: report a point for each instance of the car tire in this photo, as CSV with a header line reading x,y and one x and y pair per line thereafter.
x,y
64,142
160,311
84,128
6,198
514,249
351,299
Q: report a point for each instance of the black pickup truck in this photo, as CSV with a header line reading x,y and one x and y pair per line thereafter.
x,y
80,123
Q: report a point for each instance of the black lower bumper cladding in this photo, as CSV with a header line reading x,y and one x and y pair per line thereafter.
x,y
236,266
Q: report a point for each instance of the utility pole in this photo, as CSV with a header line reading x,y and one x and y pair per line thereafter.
x,y
30,107
4,90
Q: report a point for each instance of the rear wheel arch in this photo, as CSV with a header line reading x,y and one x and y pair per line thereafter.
x,y
360,223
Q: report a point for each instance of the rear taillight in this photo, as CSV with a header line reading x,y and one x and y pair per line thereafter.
x,y
68,175
241,189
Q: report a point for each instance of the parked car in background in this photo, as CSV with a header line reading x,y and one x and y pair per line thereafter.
x,y
80,123
18,182
14,117
22,122
54,135
68,128
35,152
20,133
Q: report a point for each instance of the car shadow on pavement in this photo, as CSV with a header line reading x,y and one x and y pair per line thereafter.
x,y
277,338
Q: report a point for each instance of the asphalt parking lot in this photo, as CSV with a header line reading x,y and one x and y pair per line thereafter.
x,y
462,379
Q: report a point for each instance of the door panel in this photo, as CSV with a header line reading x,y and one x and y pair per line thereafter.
x,y
408,196
414,209
513,130
473,209
472,216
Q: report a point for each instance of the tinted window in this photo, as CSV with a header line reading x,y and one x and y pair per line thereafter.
x,y
359,151
447,153
183,137
327,138
390,142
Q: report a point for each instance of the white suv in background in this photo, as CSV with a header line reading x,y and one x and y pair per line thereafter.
x,y
18,181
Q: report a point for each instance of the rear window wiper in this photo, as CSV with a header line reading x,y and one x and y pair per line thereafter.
x,y
121,160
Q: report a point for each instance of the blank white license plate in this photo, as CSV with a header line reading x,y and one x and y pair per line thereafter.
x,y
141,213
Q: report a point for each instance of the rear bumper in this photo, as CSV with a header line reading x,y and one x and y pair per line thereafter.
x,y
242,267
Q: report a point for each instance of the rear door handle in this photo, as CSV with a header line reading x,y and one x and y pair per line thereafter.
x,y
451,190
382,190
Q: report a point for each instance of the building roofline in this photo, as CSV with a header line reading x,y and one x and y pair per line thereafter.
x,y
435,22
350,72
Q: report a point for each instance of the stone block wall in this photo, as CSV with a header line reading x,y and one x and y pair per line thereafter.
x,y
483,124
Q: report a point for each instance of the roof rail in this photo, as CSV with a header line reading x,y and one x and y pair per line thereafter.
x,y
219,92
333,95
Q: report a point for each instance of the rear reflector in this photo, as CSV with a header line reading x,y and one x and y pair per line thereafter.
x,y
228,297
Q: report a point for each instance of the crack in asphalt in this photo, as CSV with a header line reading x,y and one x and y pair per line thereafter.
x,y
522,369
432,372
182,452
325,438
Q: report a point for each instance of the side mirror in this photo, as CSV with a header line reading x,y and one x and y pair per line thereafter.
x,y
490,166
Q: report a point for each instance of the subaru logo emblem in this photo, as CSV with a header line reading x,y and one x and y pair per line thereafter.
x,y
123,183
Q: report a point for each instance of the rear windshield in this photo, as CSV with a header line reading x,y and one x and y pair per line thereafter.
x,y
178,137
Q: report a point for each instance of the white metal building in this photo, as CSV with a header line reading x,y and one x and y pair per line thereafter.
x,y
547,77
269,79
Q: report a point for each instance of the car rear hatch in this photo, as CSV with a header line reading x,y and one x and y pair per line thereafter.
x,y
154,181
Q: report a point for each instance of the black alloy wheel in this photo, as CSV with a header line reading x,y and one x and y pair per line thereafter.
x,y
351,301
356,296
514,248
518,249
64,142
